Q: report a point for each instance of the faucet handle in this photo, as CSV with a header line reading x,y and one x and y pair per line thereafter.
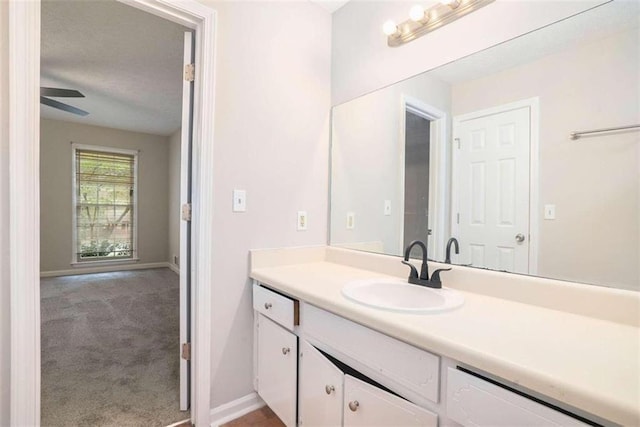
x,y
435,277
414,271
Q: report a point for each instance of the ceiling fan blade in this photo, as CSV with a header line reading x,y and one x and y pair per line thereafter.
x,y
64,107
63,93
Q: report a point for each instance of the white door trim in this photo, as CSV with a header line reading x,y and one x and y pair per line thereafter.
x,y
437,172
534,161
24,234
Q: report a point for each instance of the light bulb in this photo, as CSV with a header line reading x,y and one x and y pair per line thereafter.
x,y
390,28
416,13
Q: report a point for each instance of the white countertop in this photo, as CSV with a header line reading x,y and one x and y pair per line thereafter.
x,y
585,362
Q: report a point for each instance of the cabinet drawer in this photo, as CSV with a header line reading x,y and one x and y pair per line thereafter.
x,y
276,307
472,401
409,371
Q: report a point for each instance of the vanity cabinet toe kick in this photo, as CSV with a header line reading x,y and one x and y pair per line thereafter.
x,y
314,368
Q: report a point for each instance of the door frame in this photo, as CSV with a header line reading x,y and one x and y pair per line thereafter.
x,y
534,163
24,200
437,171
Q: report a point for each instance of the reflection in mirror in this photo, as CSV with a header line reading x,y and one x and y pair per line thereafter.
x,y
480,150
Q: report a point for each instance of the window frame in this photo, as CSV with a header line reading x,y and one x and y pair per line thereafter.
x,y
75,262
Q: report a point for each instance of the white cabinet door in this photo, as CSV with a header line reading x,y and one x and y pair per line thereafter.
x,y
277,369
368,406
320,389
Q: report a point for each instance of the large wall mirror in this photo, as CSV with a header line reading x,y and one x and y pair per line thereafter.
x,y
481,150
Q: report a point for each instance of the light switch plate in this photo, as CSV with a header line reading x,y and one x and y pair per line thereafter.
x,y
549,211
239,200
302,220
387,207
351,220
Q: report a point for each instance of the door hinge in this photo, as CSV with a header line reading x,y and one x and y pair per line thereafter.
x,y
457,140
189,72
186,212
186,351
458,218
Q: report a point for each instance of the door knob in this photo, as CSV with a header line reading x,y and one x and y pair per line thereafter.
x,y
519,237
354,405
285,350
329,389
267,305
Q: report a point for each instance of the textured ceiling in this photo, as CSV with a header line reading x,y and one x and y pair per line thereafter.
x,y
126,62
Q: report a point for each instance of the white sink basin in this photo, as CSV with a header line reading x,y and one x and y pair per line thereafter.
x,y
399,296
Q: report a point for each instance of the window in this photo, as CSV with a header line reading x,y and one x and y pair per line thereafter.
x,y
104,204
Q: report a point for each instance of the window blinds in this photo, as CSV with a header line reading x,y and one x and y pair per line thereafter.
x,y
104,205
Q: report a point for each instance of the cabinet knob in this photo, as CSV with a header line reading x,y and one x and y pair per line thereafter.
x,y
354,405
267,305
285,350
329,389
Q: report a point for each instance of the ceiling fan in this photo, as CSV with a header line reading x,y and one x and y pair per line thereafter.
x,y
61,93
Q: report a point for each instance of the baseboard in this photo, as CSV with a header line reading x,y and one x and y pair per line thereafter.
x,y
174,268
235,409
104,269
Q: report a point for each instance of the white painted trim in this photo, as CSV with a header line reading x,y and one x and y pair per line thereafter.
x,y
534,166
24,211
437,172
24,200
103,149
179,423
173,268
105,261
105,269
74,192
235,409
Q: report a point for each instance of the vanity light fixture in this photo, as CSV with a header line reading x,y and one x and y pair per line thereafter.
x,y
423,21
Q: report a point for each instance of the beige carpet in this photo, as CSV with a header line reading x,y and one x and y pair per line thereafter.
x,y
110,349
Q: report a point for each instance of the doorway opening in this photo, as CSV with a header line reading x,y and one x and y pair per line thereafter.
x,y
115,256
423,157
24,193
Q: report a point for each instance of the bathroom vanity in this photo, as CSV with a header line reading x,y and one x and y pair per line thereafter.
x,y
322,359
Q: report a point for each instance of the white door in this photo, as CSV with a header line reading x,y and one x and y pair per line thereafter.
x,y
491,189
369,406
277,369
320,389
185,224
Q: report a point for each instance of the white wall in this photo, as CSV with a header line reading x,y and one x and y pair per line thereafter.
x,y
366,166
56,189
271,139
5,338
174,197
362,61
593,182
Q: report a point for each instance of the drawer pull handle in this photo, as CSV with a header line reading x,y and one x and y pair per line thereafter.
x,y
329,389
354,405
285,350
267,305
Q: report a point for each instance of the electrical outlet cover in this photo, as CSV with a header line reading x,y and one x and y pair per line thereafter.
x,y
302,220
351,220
